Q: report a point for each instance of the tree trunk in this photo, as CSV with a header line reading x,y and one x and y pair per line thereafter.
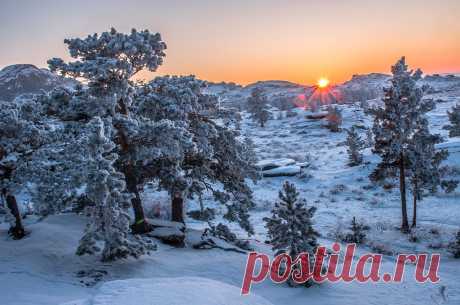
x,y
140,225
200,200
177,208
414,216
402,189
18,230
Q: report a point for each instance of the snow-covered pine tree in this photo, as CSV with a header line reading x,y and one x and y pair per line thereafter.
x,y
394,126
454,247
369,138
258,107
454,118
110,221
354,146
334,118
44,157
78,158
233,164
20,137
290,227
39,159
357,234
107,64
214,154
424,161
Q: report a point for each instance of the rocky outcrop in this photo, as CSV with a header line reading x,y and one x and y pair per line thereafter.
x,y
169,232
268,164
280,167
22,79
290,170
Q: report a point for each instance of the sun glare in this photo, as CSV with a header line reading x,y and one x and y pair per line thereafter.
x,y
323,82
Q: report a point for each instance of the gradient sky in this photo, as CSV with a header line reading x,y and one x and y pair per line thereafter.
x,y
249,40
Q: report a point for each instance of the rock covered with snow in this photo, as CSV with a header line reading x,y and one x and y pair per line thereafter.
x,y
158,223
289,170
316,116
274,163
169,232
280,167
21,79
173,291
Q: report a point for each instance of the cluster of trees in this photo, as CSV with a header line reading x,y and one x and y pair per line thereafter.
x,y
334,118
257,105
454,119
102,141
401,137
361,94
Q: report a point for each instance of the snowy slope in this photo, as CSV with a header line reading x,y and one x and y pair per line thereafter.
x,y
173,291
43,270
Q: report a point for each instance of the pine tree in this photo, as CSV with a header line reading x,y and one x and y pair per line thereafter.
x,y
290,227
77,155
454,247
20,137
357,234
354,146
209,154
424,163
258,107
107,63
109,221
369,138
394,127
334,119
454,118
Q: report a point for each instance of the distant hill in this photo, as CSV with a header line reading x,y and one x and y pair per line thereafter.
x,y
21,79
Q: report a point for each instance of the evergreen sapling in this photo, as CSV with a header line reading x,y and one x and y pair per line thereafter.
x,y
290,227
354,146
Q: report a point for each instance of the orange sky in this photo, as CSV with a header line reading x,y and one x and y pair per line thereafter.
x,y
246,41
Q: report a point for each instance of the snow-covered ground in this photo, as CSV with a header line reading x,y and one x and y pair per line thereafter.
x,y
43,269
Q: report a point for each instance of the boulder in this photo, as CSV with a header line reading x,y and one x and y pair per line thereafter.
x,y
269,164
303,164
169,236
169,232
159,223
290,170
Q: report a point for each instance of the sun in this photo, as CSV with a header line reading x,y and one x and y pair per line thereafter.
x,y
323,82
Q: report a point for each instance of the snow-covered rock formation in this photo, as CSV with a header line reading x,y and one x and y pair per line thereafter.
x,y
27,79
279,167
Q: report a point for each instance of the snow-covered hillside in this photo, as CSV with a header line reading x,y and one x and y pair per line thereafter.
x,y
42,269
280,93
23,79
360,87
